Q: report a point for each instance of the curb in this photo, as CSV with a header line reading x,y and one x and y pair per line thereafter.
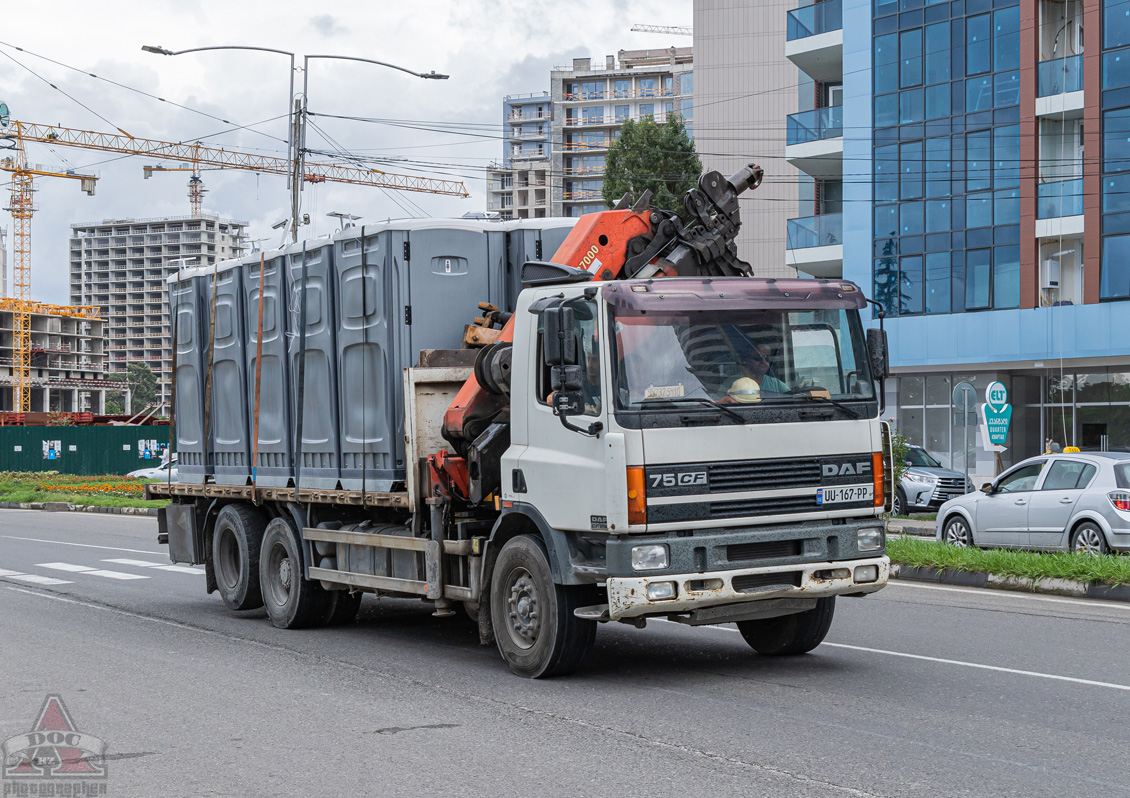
x,y
1055,587
64,507
911,526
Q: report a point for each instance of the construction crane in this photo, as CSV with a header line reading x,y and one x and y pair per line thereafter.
x,y
196,188
195,154
670,30
22,206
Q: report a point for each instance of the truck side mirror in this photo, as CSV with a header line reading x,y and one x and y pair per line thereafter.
x,y
877,354
559,343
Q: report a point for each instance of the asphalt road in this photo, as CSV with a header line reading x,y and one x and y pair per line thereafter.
x,y
920,690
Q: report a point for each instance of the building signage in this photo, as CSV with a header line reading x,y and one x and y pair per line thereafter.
x,y
997,412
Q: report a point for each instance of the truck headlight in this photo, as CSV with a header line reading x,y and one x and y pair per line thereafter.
x,y
867,573
649,558
869,539
661,591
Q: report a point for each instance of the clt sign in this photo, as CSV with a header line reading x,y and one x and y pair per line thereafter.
x,y
997,412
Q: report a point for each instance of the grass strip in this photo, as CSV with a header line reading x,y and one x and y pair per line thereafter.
x,y
1108,569
104,490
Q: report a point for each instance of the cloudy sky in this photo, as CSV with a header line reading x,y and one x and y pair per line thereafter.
x,y
449,129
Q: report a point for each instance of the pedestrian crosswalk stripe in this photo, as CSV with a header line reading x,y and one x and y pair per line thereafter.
x,y
32,578
180,569
87,570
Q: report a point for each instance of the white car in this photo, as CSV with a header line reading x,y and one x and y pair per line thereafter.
x,y
156,472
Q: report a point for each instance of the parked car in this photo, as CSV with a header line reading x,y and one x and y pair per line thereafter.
x,y
156,472
1076,501
926,484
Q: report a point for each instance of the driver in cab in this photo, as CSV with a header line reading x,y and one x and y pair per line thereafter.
x,y
754,360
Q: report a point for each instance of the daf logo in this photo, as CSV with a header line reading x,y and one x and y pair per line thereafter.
x,y
846,469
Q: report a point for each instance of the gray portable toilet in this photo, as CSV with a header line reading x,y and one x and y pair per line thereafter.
x,y
371,294
531,239
313,362
274,465
228,430
186,302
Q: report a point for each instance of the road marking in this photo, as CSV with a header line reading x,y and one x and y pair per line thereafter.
x,y
179,569
33,578
88,571
1013,594
84,545
940,660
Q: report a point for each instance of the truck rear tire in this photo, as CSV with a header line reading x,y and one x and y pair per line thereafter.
x,y
236,540
291,600
789,635
534,626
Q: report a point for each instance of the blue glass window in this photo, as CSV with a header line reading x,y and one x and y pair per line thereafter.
x,y
1006,277
686,108
1116,140
978,161
1116,24
978,271
938,52
910,215
887,110
1116,69
886,284
937,216
938,101
1006,38
910,285
938,166
1006,157
937,282
910,170
592,115
979,209
1115,280
622,88
957,273
886,220
910,58
978,44
686,83
978,94
912,106
623,112
647,87
886,173
1006,89
1006,206
886,63
647,109
1116,194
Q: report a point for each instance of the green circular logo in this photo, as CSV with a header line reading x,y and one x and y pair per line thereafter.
x,y
996,396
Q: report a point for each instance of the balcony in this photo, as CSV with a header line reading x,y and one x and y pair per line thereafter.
x,y
1059,208
815,40
814,141
815,245
1060,91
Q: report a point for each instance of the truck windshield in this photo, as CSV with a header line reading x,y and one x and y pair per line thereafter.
x,y
739,357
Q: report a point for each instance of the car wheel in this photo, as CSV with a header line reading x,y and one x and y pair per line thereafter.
x,y
1088,539
898,506
957,533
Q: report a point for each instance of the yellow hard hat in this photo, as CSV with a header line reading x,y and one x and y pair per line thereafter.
x,y
745,390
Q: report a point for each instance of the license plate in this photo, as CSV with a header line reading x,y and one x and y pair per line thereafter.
x,y
856,493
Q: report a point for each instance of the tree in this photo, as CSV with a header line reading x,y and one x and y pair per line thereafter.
x,y
116,400
142,385
656,157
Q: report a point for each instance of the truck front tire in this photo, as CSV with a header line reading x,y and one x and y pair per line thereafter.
x,y
534,626
236,540
789,635
292,601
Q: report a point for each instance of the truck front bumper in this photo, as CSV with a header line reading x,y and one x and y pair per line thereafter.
x,y
628,596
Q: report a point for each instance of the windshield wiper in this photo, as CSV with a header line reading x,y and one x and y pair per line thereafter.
x,y
811,398
698,400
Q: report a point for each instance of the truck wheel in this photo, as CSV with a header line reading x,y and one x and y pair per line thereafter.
x,y
790,634
292,601
236,540
534,625
343,607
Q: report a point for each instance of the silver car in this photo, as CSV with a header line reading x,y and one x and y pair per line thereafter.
x,y
926,484
1075,501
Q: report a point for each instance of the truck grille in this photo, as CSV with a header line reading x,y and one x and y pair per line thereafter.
x,y
763,475
747,583
949,487
774,506
763,550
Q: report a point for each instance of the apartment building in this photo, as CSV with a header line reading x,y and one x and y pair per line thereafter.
x,y
67,360
965,205
518,186
591,102
121,266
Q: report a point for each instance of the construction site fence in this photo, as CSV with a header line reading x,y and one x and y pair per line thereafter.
x,y
82,451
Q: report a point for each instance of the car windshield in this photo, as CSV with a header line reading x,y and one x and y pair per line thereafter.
x,y
918,456
739,357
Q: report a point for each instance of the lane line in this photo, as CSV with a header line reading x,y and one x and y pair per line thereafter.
x,y
1014,594
85,545
88,571
178,569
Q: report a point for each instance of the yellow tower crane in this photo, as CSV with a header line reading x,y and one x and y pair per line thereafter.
x,y
196,190
22,206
